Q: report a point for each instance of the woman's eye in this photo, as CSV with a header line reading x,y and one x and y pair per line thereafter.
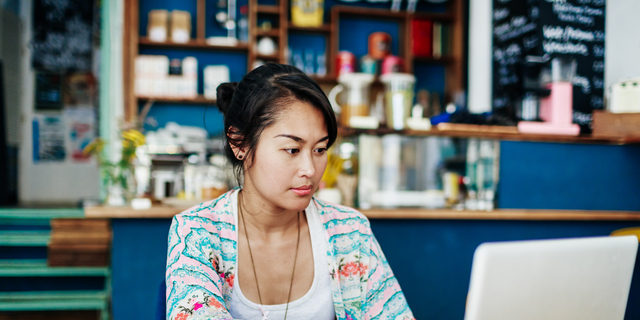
x,y
321,150
292,151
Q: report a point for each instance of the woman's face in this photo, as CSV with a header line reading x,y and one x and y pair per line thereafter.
x,y
289,159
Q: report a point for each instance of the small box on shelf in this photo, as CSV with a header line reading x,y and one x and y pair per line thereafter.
x,y
152,78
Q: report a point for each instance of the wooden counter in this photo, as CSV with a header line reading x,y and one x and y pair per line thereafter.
x,y
436,214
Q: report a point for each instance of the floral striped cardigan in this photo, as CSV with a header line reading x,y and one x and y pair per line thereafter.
x,y
202,256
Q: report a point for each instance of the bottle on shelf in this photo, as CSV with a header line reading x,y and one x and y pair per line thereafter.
x,y
243,24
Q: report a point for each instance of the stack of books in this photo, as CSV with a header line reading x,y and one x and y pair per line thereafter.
x,y
430,39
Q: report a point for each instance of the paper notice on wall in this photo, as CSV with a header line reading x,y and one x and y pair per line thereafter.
x,y
80,126
48,138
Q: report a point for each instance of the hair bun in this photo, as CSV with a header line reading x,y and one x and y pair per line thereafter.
x,y
224,94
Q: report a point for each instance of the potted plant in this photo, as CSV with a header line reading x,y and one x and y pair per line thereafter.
x,y
119,176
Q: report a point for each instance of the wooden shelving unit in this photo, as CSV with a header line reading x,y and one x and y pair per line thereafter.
x,y
268,57
441,17
453,17
281,27
200,99
453,62
325,29
490,133
193,44
442,60
272,9
324,79
369,12
278,14
270,33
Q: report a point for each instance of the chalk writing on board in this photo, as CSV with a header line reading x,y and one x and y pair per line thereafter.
x,y
62,35
551,47
582,82
567,33
571,29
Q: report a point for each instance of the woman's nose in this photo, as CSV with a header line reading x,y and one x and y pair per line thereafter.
x,y
307,167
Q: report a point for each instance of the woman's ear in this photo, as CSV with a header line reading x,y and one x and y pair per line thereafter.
x,y
235,140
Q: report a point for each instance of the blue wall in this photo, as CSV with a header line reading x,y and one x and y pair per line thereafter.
x,y
432,258
139,259
536,175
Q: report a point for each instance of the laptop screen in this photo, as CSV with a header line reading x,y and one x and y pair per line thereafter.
x,y
579,278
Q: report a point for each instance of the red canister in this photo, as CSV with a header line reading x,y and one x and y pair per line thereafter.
x,y
392,64
345,62
379,45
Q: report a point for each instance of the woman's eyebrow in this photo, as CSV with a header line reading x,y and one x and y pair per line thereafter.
x,y
294,138
298,139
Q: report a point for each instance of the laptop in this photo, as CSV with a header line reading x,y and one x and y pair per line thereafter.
x,y
579,278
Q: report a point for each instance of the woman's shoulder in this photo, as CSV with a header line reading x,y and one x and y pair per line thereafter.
x,y
219,210
335,215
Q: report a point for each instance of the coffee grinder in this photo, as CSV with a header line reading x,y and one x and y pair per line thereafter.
x,y
556,108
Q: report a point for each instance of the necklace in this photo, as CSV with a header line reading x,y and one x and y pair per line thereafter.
x,y
295,259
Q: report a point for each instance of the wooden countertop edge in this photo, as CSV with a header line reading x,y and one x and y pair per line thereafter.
x,y
504,214
434,214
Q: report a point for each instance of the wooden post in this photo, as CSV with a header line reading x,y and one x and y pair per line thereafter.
x,y
129,54
201,21
453,76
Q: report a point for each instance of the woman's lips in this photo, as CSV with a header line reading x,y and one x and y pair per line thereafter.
x,y
302,191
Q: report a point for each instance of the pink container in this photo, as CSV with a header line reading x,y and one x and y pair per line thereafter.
x,y
557,112
558,106
345,62
392,64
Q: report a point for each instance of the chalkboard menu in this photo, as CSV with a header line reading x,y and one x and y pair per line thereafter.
x,y
571,29
62,35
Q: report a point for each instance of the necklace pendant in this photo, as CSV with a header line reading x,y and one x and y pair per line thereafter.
x,y
264,312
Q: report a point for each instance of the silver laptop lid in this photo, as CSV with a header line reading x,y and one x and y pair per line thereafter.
x,y
580,278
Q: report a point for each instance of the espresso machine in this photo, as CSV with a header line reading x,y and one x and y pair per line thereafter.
x,y
555,108
529,89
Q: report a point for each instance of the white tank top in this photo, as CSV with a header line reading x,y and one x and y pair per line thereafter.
x,y
316,304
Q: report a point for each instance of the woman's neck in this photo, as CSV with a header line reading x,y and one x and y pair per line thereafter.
x,y
265,219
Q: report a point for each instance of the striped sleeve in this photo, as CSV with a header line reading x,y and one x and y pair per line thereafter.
x,y
194,284
384,297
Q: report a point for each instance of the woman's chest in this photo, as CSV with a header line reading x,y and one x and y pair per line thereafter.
x,y
267,273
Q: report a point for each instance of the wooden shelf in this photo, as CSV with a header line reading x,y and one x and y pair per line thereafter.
x,y
323,79
193,44
441,17
168,212
326,28
369,12
441,60
270,33
490,133
271,9
268,56
502,214
200,99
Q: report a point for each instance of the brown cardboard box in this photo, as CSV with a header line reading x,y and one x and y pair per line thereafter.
x,y
615,125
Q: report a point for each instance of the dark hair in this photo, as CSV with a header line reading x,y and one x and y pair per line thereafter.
x,y
254,103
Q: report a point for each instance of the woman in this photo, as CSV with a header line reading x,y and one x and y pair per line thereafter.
x,y
269,250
